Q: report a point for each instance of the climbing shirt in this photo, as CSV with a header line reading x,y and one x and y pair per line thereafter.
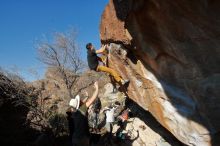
x,y
124,115
92,59
110,115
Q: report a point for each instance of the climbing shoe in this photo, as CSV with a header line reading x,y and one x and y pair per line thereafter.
x,y
124,82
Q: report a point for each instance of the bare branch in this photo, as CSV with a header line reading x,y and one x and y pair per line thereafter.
x,y
62,54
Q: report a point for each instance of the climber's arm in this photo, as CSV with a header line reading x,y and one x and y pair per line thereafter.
x,y
94,96
101,50
104,110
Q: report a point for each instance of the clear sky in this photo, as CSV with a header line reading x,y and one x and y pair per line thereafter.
x,y
24,21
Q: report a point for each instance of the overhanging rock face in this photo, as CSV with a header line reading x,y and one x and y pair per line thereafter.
x,y
170,50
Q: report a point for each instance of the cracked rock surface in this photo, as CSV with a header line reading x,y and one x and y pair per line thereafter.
x,y
170,52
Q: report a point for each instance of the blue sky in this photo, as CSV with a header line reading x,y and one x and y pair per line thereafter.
x,y
24,21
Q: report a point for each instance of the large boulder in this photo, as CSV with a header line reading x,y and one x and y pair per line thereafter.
x,y
170,52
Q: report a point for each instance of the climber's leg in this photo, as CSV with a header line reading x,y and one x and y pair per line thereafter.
x,y
111,72
103,59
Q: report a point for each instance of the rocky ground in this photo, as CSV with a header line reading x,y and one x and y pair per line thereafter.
x,y
142,128
151,133
47,123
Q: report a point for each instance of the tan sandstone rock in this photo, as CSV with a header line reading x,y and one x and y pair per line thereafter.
x,y
170,52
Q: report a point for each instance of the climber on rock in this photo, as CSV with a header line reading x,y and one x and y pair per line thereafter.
x,y
79,117
93,63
